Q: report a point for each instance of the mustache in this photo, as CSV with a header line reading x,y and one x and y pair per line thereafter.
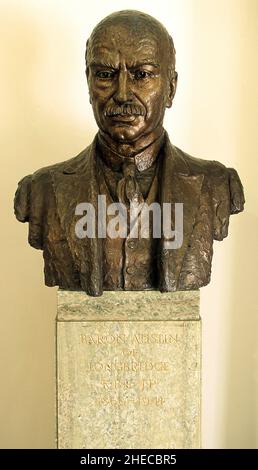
x,y
125,110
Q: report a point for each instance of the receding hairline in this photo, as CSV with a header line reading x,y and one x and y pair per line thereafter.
x,y
134,20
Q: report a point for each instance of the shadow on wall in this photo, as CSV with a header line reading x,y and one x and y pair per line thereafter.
x,y
241,419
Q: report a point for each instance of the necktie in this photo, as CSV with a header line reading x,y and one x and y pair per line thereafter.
x,y
128,190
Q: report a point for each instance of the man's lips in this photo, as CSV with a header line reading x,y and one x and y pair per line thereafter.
x,y
123,117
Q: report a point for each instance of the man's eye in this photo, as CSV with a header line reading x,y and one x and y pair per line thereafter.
x,y
105,74
141,74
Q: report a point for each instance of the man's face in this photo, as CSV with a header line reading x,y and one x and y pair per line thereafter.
x,y
128,83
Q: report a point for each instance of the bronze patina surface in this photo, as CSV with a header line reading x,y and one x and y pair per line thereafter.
x,y
130,68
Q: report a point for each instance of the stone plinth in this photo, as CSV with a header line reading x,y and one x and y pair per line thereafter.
x,y
128,370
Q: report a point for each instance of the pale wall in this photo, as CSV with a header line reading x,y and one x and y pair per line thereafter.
x,y
46,118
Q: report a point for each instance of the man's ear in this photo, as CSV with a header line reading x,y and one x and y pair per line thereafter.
x,y
172,90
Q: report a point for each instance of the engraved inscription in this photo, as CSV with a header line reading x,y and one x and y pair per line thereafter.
x,y
134,376
129,366
140,401
127,339
133,382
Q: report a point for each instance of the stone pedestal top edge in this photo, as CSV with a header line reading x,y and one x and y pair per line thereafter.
x,y
128,306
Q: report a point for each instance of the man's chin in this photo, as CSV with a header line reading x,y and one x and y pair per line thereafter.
x,y
124,134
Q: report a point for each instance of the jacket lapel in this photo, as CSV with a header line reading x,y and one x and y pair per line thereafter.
x,y
178,186
77,183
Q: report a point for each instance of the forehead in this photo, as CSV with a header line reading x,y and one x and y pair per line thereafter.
x,y
132,45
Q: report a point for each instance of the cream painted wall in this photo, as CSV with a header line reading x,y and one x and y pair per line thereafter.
x,y
46,118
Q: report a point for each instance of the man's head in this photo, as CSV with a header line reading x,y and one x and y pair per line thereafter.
x,y
130,66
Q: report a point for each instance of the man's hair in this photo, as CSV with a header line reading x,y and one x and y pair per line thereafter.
x,y
136,20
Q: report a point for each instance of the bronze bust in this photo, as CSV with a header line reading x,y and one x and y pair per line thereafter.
x,y
130,68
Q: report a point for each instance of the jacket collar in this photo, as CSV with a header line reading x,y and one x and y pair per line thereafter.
x,y
78,164
142,160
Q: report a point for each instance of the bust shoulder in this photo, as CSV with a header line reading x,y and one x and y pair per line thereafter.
x,y
201,166
38,186
72,165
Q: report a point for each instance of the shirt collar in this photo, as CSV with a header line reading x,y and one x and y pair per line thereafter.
x,y
143,159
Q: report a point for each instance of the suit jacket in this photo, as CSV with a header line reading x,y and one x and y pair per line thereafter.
x,y
47,200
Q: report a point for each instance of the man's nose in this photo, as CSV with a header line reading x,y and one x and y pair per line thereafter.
x,y
123,93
